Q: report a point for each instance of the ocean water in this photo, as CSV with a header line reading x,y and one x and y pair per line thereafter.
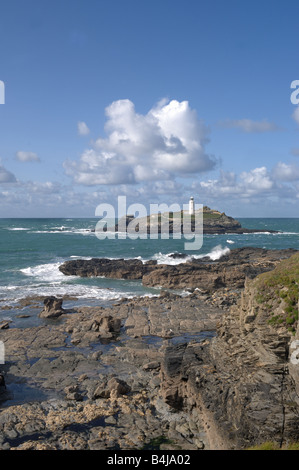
x,y
33,249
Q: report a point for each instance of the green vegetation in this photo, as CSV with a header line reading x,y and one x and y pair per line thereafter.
x,y
278,290
154,444
274,446
265,446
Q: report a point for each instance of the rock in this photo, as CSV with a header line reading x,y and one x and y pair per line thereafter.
x,y
244,382
229,271
164,294
118,387
178,255
2,381
110,420
117,268
167,334
101,391
52,308
72,393
224,379
151,365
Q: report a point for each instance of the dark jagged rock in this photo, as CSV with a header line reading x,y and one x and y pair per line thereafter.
x,y
112,268
2,381
229,271
52,308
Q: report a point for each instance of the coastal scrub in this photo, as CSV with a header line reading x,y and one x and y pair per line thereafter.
x,y
278,291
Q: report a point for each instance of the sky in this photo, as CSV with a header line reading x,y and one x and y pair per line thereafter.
x,y
154,100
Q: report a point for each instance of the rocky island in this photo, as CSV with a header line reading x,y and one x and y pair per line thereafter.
x,y
215,369
214,222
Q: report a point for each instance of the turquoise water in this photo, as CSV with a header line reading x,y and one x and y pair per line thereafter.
x,y
33,249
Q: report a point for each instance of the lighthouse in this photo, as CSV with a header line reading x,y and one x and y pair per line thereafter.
x,y
191,206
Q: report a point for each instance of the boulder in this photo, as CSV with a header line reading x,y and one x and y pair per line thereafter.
x,y
118,387
112,268
52,308
112,388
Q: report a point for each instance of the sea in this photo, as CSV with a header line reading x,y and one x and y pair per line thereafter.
x,y
33,249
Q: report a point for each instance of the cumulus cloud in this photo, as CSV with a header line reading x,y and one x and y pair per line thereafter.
x,y
82,128
256,182
250,126
6,176
286,172
27,156
257,179
258,186
166,142
47,199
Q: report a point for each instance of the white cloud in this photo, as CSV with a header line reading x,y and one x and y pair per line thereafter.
x,y
250,126
6,176
286,172
226,185
82,128
257,180
259,186
27,156
166,142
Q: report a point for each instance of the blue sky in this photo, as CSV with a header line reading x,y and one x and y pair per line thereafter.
x,y
155,100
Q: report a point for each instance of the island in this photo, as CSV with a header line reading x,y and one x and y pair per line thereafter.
x,y
214,222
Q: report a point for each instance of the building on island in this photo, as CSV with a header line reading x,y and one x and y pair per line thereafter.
x,y
191,206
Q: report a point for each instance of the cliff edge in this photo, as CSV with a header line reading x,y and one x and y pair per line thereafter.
x,y
245,381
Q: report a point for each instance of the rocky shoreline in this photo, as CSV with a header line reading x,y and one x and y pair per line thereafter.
x,y
204,273
199,371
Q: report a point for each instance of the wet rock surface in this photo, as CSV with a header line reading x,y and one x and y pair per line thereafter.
x,y
199,371
90,379
229,271
112,268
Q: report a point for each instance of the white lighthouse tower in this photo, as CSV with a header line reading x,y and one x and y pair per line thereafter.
x,y
191,206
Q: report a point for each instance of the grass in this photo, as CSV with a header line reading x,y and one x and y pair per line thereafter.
x,y
274,446
155,443
280,287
